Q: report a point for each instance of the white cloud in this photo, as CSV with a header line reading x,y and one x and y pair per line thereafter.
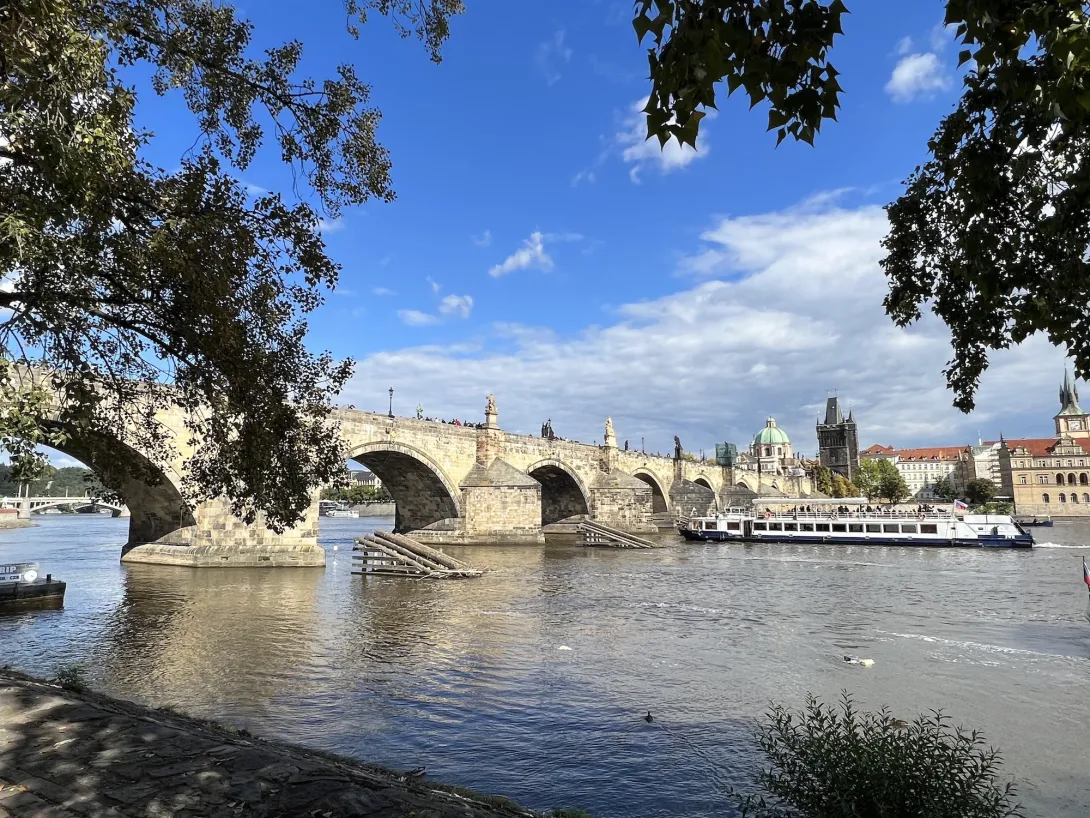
x,y
382,291
905,45
550,55
416,318
641,152
583,176
255,190
456,304
531,254
330,225
435,285
942,36
917,76
792,311
483,240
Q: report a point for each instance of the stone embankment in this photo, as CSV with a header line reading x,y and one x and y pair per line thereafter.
x,y
81,755
376,509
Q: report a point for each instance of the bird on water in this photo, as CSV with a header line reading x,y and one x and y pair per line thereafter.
x,y
648,718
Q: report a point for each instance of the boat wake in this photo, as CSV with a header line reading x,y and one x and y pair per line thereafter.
x,y
984,647
1059,545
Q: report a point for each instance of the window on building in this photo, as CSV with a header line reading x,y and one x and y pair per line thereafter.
x,y
1086,497
1044,498
1042,478
1040,464
1083,480
1022,479
1071,479
1059,479
1074,497
1070,463
1063,497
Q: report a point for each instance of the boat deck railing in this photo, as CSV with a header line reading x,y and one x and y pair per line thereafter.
x,y
852,515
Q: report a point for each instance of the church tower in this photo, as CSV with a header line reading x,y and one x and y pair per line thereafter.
x,y
838,440
1072,420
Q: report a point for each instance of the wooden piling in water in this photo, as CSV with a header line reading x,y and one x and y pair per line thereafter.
x,y
597,534
383,553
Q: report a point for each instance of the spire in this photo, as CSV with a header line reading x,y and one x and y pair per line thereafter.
x,y
833,415
1069,397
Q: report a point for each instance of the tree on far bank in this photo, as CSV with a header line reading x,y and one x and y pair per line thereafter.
x,y
944,489
823,479
991,232
879,478
843,487
134,287
979,491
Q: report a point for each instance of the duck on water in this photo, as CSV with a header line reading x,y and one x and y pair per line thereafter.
x,y
851,522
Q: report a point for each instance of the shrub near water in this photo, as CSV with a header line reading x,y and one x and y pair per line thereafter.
x,y
831,762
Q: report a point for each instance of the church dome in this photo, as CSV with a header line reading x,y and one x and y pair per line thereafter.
x,y
771,434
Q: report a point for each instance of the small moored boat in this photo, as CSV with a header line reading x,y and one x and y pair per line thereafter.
x,y
22,588
1035,521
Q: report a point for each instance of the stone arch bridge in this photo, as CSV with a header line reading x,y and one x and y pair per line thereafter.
x,y
451,484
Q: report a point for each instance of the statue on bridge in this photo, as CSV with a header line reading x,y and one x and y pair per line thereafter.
x,y
677,448
610,438
490,407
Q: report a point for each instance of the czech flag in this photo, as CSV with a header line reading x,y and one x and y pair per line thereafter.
x,y
959,506
1085,572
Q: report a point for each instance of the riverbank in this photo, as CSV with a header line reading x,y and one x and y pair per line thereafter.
x,y
68,753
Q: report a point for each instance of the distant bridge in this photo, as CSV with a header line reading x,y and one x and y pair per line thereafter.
x,y
28,505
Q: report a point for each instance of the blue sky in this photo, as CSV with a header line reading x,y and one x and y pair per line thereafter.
x,y
540,250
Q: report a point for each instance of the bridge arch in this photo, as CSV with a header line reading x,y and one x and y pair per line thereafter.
x,y
150,490
423,493
659,501
563,492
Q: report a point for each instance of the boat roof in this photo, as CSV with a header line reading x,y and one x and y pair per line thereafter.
x,y
810,501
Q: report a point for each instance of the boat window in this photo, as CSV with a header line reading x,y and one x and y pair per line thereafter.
x,y
908,529
857,527
710,526
873,527
890,528
822,526
697,525
840,527
806,526
734,527
929,528
775,526
790,527
760,526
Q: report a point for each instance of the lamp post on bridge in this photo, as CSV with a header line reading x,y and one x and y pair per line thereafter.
x,y
642,447
391,413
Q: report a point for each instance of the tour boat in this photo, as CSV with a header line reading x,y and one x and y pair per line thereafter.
x,y
847,522
343,512
21,587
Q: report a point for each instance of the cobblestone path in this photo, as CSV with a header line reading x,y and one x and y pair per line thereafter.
x,y
67,755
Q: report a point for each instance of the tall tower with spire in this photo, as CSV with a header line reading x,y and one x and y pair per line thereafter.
x,y
838,440
1072,421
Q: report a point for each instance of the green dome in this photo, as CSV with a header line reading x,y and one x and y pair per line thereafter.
x,y
771,434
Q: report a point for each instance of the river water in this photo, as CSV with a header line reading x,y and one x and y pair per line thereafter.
x,y
532,681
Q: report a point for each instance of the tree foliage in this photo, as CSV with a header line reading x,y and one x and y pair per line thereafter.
x,y
979,491
357,494
843,487
840,763
943,488
878,478
823,479
132,287
992,231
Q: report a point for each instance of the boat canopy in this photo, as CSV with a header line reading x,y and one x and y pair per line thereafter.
x,y
810,501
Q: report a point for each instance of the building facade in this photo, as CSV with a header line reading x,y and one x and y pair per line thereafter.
x,y
982,463
922,468
1052,475
838,440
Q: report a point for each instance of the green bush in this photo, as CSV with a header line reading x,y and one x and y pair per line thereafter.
x,y
71,677
828,762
